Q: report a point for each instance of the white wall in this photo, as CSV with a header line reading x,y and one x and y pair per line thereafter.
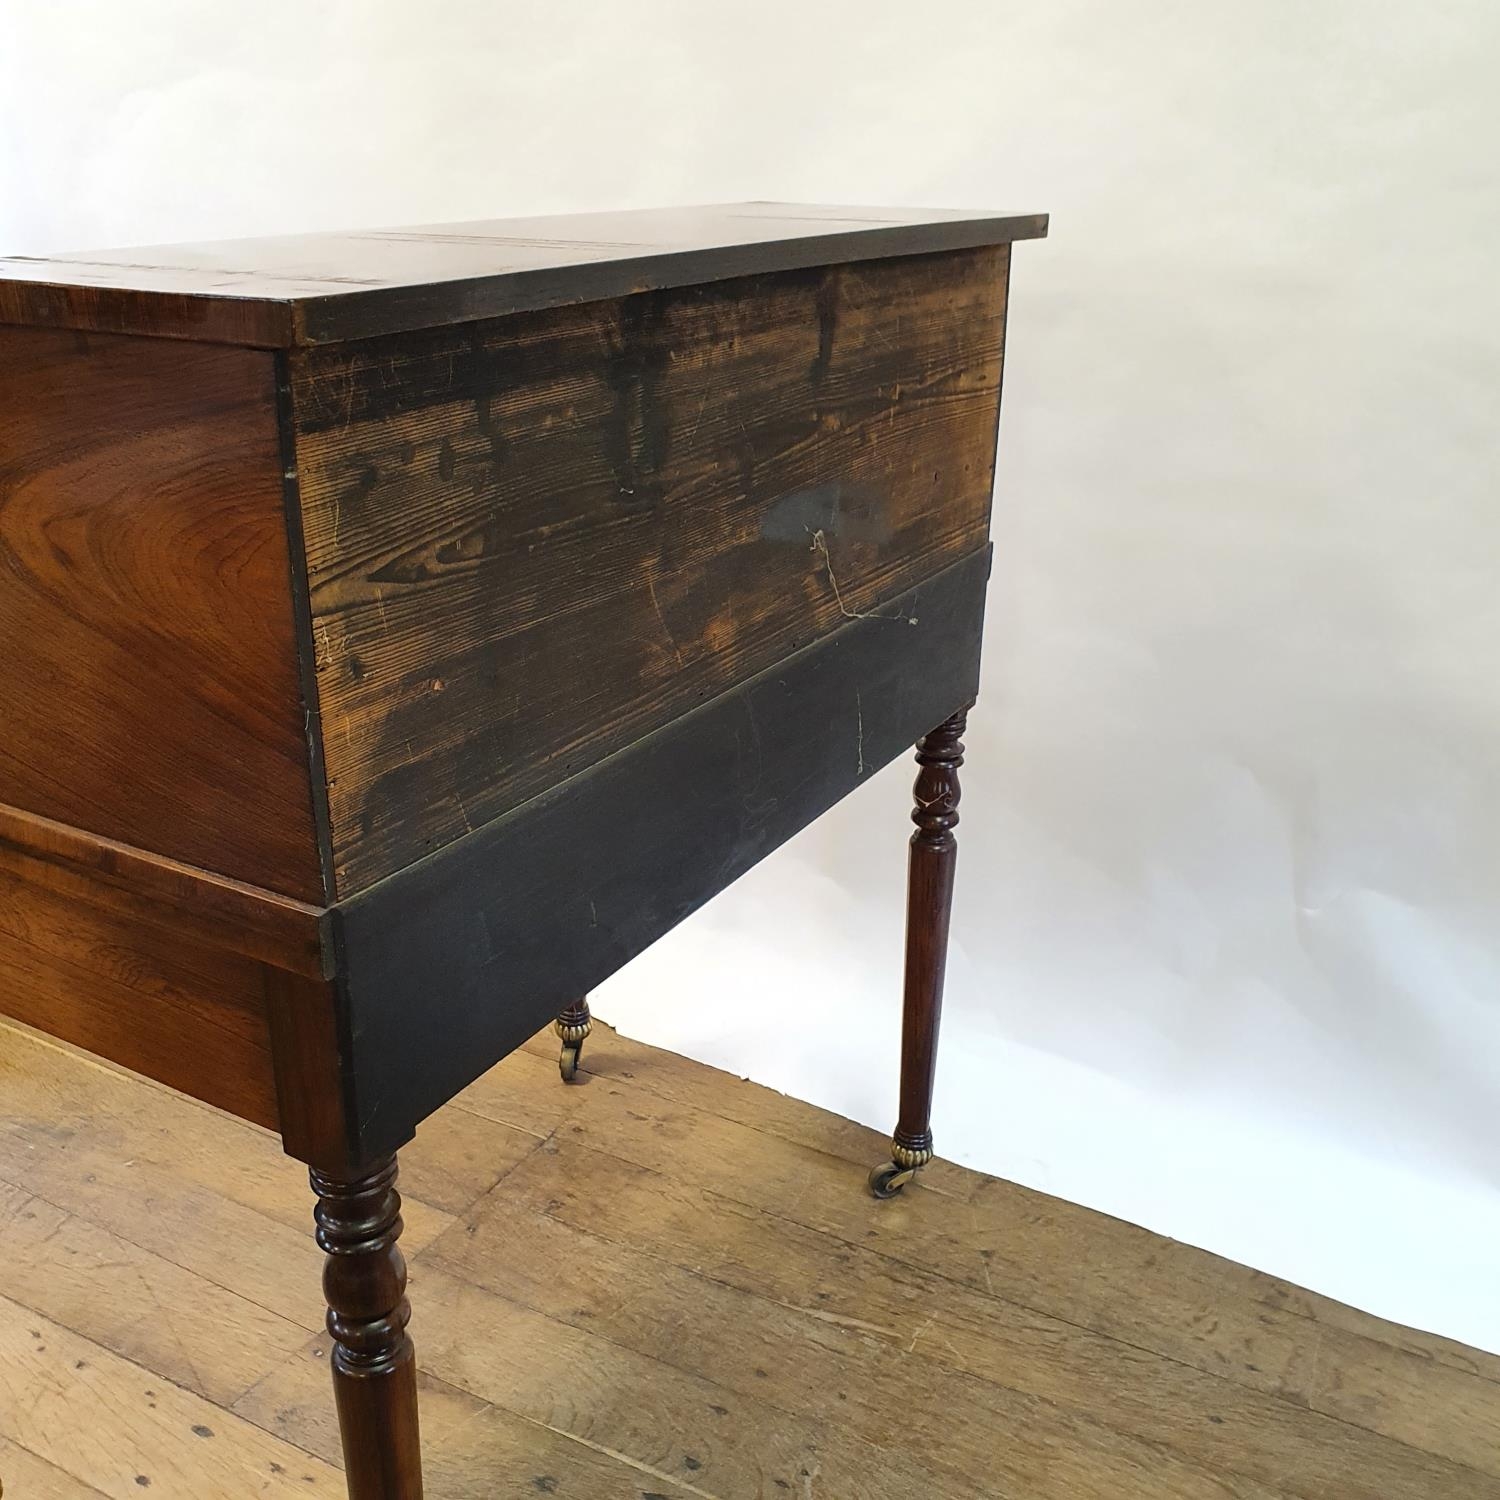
x,y
1226,957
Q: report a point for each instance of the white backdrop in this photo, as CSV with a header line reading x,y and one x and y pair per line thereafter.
x,y
1226,956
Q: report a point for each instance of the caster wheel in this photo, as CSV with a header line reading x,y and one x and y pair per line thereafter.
x,y
888,1179
567,1063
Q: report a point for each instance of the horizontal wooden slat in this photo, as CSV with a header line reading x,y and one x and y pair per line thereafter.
x,y
164,893
533,541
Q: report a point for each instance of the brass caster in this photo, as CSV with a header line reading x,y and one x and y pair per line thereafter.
x,y
567,1063
888,1179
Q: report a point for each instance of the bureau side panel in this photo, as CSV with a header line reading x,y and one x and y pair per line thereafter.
x,y
148,674
532,541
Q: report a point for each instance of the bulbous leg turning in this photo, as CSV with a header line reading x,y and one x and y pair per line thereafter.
x,y
374,1367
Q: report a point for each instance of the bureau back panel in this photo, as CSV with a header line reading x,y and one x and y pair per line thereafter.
x,y
532,541
149,673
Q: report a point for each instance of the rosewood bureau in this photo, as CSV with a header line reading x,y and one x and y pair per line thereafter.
x,y
403,629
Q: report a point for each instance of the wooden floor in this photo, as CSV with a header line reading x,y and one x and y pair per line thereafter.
x,y
664,1282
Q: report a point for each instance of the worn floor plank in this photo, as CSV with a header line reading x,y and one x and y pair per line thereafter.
x,y
684,1081
26,1474
661,1283
860,1295
674,1430
957,1430
614,1057
1078,1267
471,1448
122,1429
138,1305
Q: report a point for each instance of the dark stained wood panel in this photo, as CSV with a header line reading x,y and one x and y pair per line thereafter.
x,y
150,681
449,965
147,997
532,541
329,287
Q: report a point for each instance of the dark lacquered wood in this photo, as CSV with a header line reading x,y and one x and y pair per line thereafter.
x,y
929,907
326,288
534,541
456,961
374,1367
148,673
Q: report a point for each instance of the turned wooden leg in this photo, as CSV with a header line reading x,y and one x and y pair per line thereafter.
x,y
374,1369
573,1026
929,904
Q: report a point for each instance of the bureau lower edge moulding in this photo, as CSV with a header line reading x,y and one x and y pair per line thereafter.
x,y
406,628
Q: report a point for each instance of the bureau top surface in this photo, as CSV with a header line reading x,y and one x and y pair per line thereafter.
x,y
332,287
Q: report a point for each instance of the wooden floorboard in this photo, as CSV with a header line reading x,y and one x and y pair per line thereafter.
x,y
665,1282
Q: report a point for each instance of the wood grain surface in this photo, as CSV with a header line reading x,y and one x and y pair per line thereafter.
x,y
174,898
533,541
149,681
330,287
144,995
668,1282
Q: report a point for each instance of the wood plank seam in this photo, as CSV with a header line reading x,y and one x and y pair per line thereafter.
x,y
99,1355
307,675
893,1437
